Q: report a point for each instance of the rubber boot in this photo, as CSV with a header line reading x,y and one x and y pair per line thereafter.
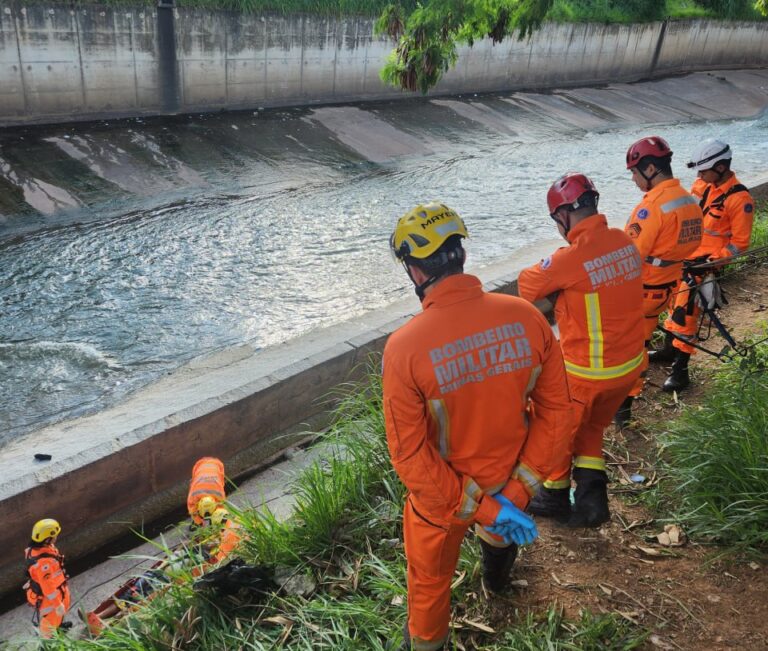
x,y
624,413
664,354
497,565
406,645
551,503
679,379
590,508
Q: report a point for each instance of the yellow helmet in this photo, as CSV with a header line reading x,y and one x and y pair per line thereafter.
x,y
206,506
219,515
44,529
423,230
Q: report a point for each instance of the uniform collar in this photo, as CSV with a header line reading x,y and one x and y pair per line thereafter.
x,y
592,223
664,185
725,185
453,289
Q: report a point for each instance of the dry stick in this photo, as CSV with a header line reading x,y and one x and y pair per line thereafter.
x,y
638,603
679,603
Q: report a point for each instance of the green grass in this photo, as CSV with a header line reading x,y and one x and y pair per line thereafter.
x,y
716,458
345,534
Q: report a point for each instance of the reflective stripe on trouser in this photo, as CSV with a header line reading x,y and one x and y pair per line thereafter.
x,y
594,406
655,301
688,330
432,551
52,612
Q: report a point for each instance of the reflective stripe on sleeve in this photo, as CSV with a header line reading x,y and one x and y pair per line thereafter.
x,y
678,203
732,249
529,478
471,499
439,413
713,233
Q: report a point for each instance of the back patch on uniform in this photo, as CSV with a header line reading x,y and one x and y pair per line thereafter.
x,y
634,230
642,213
546,263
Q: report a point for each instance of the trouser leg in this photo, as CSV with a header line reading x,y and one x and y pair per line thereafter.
x,y
684,315
600,403
432,552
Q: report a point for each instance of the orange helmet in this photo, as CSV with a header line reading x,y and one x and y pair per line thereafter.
x,y
650,146
567,190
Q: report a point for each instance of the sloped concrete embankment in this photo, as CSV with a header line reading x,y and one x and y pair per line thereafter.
x,y
59,64
130,464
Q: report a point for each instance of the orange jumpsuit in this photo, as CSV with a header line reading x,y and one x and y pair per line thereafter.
x,y
475,403
47,589
728,215
207,481
231,537
666,228
599,312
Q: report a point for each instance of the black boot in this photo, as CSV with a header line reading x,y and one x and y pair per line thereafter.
x,y
590,508
664,354
406,645
679,379
497,565
551,503
624,413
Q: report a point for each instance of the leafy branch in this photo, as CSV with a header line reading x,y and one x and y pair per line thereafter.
x,y
428,33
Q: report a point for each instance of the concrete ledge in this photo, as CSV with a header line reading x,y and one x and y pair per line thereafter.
x,y
129,464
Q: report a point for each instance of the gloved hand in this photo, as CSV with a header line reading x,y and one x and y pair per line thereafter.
x,y
512,524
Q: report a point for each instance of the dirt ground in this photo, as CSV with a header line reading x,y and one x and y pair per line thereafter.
x,y
687,597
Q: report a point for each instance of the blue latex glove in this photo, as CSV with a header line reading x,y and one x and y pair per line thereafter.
x,y
512,524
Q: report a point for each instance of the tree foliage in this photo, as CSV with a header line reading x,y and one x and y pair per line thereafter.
x,y
428,33
762,6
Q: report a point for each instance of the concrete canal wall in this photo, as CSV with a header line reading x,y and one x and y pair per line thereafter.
x,y
130,464
60,63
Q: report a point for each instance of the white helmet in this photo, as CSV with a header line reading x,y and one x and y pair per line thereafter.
x,y
708,154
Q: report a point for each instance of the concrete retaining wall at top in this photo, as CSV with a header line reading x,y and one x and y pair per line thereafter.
x,y
90,62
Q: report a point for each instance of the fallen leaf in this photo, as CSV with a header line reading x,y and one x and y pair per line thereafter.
x,y
650,551
672,536
661,644
397,600
606,590
278,619
519,583
458,580
754,566
479,626
713,598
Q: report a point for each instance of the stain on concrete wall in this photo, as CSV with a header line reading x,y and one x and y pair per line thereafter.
x,y
59,64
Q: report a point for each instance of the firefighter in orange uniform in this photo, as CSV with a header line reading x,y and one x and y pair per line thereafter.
x,y
47,588
230,535
599,312
728,214
666,228
475,406
206,490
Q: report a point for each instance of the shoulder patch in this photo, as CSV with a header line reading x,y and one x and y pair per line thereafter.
x,y
642,213
748,207
634,230
546,263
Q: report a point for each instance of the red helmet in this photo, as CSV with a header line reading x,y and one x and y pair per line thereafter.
x,y
651,146
567,190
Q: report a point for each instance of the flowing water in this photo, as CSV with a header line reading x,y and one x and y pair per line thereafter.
x,y
127,248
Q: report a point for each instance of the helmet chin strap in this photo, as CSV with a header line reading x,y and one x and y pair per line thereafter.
x,y
648,179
